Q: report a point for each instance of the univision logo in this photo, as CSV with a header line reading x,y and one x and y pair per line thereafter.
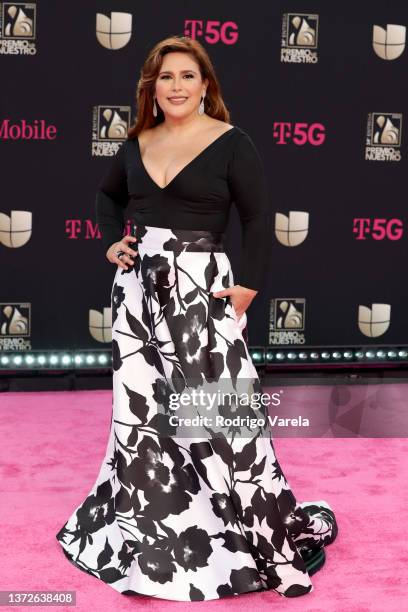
x,y
100,324
374,321
113,32
16,229
292,230
389,43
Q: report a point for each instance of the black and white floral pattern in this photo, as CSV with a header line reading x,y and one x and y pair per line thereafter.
x,y
177,518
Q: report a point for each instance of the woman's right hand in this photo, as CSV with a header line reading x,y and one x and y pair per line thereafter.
x,y
122,245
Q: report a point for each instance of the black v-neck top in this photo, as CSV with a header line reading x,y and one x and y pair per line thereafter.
x,y
199,197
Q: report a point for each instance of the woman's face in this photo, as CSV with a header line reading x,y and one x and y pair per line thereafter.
x,y
179,77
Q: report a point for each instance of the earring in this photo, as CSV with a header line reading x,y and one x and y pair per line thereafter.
x,y
154,108
201,107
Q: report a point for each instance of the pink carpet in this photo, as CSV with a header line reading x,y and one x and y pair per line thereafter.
x,y
52,444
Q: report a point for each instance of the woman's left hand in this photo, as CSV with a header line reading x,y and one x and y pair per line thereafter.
x,y
241,297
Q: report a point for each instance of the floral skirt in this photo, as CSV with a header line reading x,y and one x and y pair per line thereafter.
x,y
180,510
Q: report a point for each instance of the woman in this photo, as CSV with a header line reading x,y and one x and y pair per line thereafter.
x,y
195,513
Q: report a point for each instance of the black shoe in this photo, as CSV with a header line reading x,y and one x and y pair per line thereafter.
x,y
314,559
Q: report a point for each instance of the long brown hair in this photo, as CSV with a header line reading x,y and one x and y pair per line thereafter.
x,y
214,104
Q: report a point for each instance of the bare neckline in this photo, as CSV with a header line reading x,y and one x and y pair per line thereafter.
x,y
216,140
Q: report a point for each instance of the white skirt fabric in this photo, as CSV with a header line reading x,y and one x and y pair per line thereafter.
x,y
193,513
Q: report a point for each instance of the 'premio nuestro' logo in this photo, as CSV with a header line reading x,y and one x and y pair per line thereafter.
x,y
18,27
110,127
287,321
15,326
299,38
384,135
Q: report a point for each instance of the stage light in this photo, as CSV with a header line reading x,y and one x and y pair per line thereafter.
x,y
262,356
257,354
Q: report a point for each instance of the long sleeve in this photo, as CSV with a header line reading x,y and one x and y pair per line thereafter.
x,y
247,182
111,200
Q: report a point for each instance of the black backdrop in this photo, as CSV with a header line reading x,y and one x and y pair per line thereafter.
x,y
62,76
